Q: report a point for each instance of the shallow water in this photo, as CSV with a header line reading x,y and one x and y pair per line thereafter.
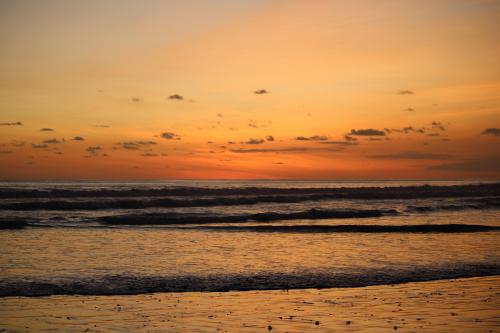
x,y
188,248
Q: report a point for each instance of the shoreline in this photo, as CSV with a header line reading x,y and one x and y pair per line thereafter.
x,y
465,305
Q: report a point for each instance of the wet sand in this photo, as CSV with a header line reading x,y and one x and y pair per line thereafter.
x,y
461,305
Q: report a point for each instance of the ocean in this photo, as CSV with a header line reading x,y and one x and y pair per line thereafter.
x,y
134,237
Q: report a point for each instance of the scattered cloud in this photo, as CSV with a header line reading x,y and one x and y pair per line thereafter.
x,y
93,149
176,97
254,141
46,129
149,155
269,138
17,123
170,136
438,125
52,141
412,155
78,138
103,126
261,91
340,143
367,132
405,92
270,150
220,115
135,145
347,137
39,146
410,109
492,131
253,125
312,138
136,99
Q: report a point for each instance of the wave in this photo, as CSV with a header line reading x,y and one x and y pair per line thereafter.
x,y
348,228
178,218
126,284
401,192
65,205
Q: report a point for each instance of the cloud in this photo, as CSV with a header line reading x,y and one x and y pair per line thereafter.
x,y
410,109
6,152
253,125
46,129
482,164
93,149
405,92
270,150
136,99
78,138
52,141
254,141
149,155
269,138
39,146
367,132
261,91
411,155
438,125
347,137
16,143
176,97
170,136
491,131
17,123
340,143
103,126
220,115
312,138
135,144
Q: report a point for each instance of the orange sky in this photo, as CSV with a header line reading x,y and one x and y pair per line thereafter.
x,y
250,89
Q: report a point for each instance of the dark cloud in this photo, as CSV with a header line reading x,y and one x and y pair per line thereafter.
x,y
149,155
340,143
176,97
39,146
412,155
410,109
170,136
286,150
261,91
254,141
492,131
93,149
405,92
78,138
17,123
312,138
220,115
136,99
52,141
269,138
367,132
103,126
347,137
253,125
134,145
414,130
5,151
270,150
438,125
231,142
474,165
46,129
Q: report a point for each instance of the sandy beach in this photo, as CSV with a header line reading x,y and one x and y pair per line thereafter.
x,y
461,305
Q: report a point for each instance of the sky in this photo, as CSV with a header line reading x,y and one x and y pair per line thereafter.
x,y
228,89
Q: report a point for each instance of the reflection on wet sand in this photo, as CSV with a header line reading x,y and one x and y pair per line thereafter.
x,y
465,305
